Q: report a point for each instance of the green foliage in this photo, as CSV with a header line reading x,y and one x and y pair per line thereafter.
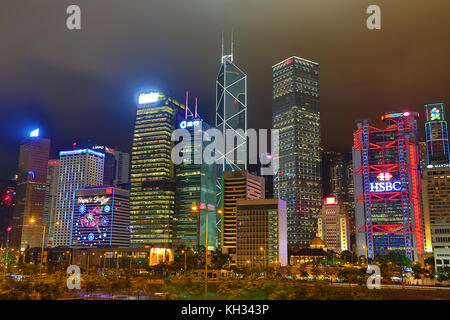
x,y
182,287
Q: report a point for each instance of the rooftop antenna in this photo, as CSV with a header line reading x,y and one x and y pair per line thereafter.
x,y
222,47
232,43
196,115
187,106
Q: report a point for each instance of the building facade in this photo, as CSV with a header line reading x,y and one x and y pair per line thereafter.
x,y
237,185
441,245
195,187
30,193
387,187
50,198
436,132
333,225
435,198
152,196
117,163
101,218
261,233
296,113
77,169
231,113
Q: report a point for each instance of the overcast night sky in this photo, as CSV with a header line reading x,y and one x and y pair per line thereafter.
x,y
79,85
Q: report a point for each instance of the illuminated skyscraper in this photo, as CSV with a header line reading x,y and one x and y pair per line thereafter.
x,y
237,185
296,113
117,163
195,187
387,187
261,233
436,132
30,192
77,169
152,197
334,226
436,175
436,198
231,111
50,198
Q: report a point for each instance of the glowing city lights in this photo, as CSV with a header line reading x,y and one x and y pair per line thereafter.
x,y
34,133
151,97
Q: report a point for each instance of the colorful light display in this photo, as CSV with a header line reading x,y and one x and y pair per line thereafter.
x,y
92,220
386,165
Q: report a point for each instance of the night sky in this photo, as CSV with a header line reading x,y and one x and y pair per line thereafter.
x,y
79,85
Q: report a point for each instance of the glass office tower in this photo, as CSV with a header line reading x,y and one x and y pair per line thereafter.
x,y
195,186
231,111
152,196
296,113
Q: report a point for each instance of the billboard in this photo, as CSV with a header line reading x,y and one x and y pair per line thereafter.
x,y
92,217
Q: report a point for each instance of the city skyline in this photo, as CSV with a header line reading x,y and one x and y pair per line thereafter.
x,y
71,97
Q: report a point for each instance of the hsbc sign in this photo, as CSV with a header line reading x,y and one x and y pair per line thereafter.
x,y
385,186
385,183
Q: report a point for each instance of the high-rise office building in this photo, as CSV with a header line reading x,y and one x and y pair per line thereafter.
x,y
101,218
195,187
341,185
231,112
296,113
435,198
436,174
440,232
237,185
30,192
117,163
436,132
423,156
50,198
333,225
77,169
261,233
387,187
152,197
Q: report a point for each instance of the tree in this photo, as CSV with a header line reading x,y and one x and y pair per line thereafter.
x,y
417,270
316,270
220,260
91,286
347,256
113,286
302,270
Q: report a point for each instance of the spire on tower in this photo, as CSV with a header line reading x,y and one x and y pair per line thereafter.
x,y
228,56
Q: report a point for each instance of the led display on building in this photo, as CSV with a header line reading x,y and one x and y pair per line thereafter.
x,y
92,219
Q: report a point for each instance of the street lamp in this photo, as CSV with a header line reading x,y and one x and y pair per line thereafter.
x,y
185,262
8,230
367,253
32,220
